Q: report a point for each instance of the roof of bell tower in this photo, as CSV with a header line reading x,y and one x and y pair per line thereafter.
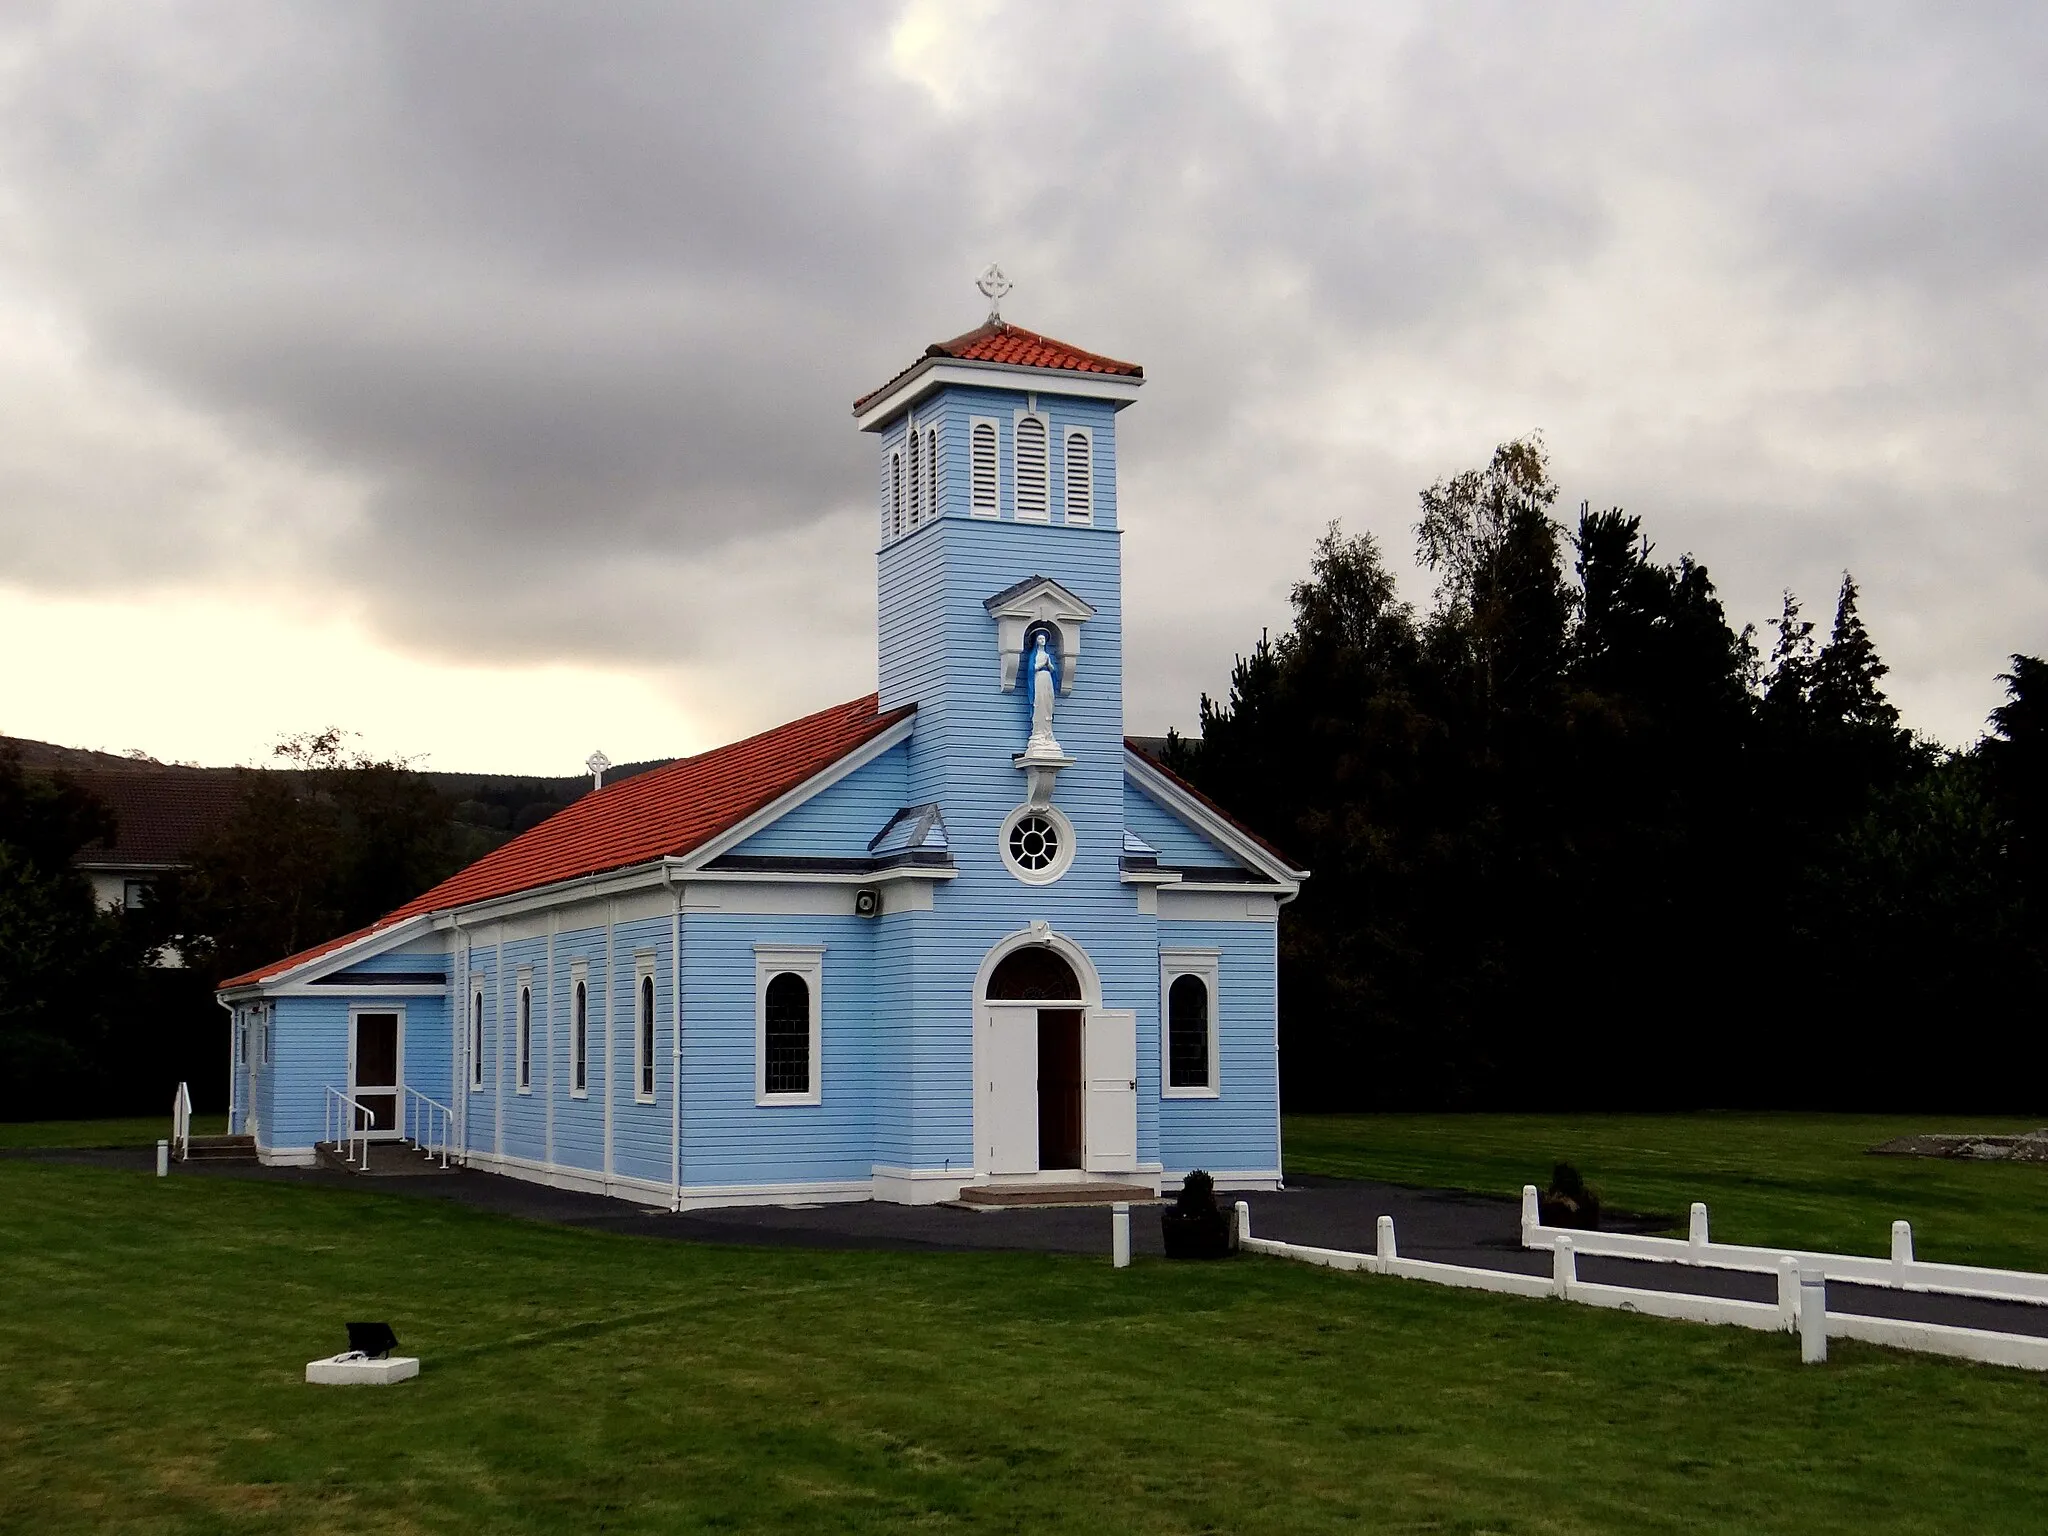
x,y
997,344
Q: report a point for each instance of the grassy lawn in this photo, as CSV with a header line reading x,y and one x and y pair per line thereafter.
x,y
1803,1181
144,1132
153,1335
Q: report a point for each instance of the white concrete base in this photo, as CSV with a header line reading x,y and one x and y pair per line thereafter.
x,y
352,1370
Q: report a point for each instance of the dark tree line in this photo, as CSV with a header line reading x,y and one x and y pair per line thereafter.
x,y
1577,842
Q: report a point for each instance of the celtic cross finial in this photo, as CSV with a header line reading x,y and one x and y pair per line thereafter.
x,y
993,285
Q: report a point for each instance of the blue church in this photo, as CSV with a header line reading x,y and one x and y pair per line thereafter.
x,y
956,940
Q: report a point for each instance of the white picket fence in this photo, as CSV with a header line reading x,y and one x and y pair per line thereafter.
x,y
1801,1306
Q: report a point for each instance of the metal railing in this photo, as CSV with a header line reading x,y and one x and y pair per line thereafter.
x,y
355,1120
423,1118
181,1122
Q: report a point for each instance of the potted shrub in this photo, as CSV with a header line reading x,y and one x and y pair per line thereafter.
x,y
1193,1227
1569,1202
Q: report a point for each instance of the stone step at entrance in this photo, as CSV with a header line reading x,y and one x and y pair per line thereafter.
x,y
1011,1196
221,1149
387,1160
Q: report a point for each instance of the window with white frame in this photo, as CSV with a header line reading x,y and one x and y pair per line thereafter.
x,y
579,1031
787,1007
981,468
1189,1038
643,1029
1080,476
931,472
525,1033
476,1037
263,1034
1031,470
896,494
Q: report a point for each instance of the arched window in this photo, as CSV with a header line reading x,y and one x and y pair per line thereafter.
x,y
580,1047
476,1038
1035,973
916,481
931,471
645,1044
982,470
1080,478
786,1011
1032,486
896,494
525,1039
1187,1033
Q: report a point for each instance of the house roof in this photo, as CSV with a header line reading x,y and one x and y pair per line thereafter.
x,y
664,813
1139,745
997,341
163,814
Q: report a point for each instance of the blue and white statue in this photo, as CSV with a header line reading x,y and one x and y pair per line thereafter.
x,y
1044,686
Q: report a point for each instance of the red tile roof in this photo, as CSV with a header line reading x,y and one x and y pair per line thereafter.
x,y
1152,762
997,341
664,813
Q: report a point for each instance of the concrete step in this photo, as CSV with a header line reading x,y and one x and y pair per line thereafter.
x,y
1011,1196
387,1160
221,1149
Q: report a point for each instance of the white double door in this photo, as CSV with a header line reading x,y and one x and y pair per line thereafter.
x,y
1025,1097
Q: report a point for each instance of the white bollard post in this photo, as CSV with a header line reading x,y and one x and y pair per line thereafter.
x,y
1564,1269
1120,1235
1902,1244
1813,1316
1696,1230
1385,1234
163,1159
1244,1222
1788,1294
1532,1215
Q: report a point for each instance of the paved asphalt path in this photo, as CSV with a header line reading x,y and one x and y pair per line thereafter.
x,y
1446,1225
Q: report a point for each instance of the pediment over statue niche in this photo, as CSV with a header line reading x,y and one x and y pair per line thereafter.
x,y
1037,600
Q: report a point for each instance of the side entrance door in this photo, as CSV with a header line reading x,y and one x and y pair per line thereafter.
x,y
1006,1088
375,1057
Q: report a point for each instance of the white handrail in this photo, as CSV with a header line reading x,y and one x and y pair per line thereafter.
x,y
181,1122
358,1133
420,1113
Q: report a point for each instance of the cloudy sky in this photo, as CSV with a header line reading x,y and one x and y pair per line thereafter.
x,y
477,376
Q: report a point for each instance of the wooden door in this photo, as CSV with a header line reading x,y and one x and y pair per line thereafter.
x,y
374,1069
1111,1049
1005,1100
1060,1088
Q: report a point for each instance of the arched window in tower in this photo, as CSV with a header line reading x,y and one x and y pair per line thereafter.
x,y
1080,478
896,494
931,471
983,470
1032,478
916,481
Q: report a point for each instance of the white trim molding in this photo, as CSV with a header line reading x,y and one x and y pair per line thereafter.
x,y
1037,600
807,963
1204,964
929,374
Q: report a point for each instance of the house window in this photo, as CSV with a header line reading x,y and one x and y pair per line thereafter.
x,y
896,494
525,1038
931,471
1080,477
133,894
982,470
1188,1051
1037,843
241,1039
643,1037
1032,479
579,1045
263,1034
786,1013
476,1040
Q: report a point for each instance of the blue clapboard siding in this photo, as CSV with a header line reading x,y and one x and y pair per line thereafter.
x,y
839,822
1240,1129
1179,845
641,1131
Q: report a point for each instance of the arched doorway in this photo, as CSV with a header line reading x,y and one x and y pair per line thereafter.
x,y
1055,1073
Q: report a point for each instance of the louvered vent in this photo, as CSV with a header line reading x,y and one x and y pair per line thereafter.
x,y
1080,478
895,495
916,483
1032,490
931,471
985,469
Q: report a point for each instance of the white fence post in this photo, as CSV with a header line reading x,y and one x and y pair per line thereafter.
x,y
1902,1244
1696,1230
1813,1315
1384,1231
1532,1214
1120,1235
1564,1269
1788,1294
1244,1222
163,1159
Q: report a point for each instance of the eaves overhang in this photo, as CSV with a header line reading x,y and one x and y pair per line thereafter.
x,y
930,374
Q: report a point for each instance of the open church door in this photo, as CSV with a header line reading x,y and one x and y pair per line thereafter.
x,y
1110,1047
1006,1088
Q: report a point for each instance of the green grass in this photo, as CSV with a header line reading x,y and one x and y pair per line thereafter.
x,y
145,1131
153,1335
1804,1181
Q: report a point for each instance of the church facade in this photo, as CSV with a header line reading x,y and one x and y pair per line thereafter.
x,y
955,934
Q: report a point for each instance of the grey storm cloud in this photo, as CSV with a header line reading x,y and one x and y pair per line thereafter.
x,y
533,329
